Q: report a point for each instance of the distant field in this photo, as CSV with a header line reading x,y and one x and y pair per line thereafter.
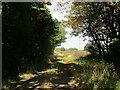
x,y
70,55
74,53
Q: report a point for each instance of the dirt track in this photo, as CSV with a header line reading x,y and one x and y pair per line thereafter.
x,y
62,80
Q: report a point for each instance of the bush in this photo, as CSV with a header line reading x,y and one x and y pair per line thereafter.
x,y
62,49
72,49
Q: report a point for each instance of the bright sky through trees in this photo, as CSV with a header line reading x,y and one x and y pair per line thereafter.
x,y
59,12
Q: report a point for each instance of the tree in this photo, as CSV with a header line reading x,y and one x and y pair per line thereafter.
x,y
72,49
90,48
87,46
98,20
30,34
62,49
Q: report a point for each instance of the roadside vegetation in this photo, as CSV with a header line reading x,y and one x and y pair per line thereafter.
x,y
31,59
30,35
82,72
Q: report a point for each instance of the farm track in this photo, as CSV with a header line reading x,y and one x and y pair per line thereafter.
x,y
69,72
63,78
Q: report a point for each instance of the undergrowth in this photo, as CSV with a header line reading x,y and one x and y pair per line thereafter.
x,y
96,73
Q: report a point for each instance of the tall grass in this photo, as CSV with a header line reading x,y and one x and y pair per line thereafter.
x,y
95,74
92,72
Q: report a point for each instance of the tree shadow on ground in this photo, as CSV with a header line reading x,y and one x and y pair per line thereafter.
x,y
69,76
59,80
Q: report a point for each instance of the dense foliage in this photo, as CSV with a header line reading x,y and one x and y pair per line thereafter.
x,y
29,37
100,21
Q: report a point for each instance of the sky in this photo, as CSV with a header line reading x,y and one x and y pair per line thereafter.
x,y
59,12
